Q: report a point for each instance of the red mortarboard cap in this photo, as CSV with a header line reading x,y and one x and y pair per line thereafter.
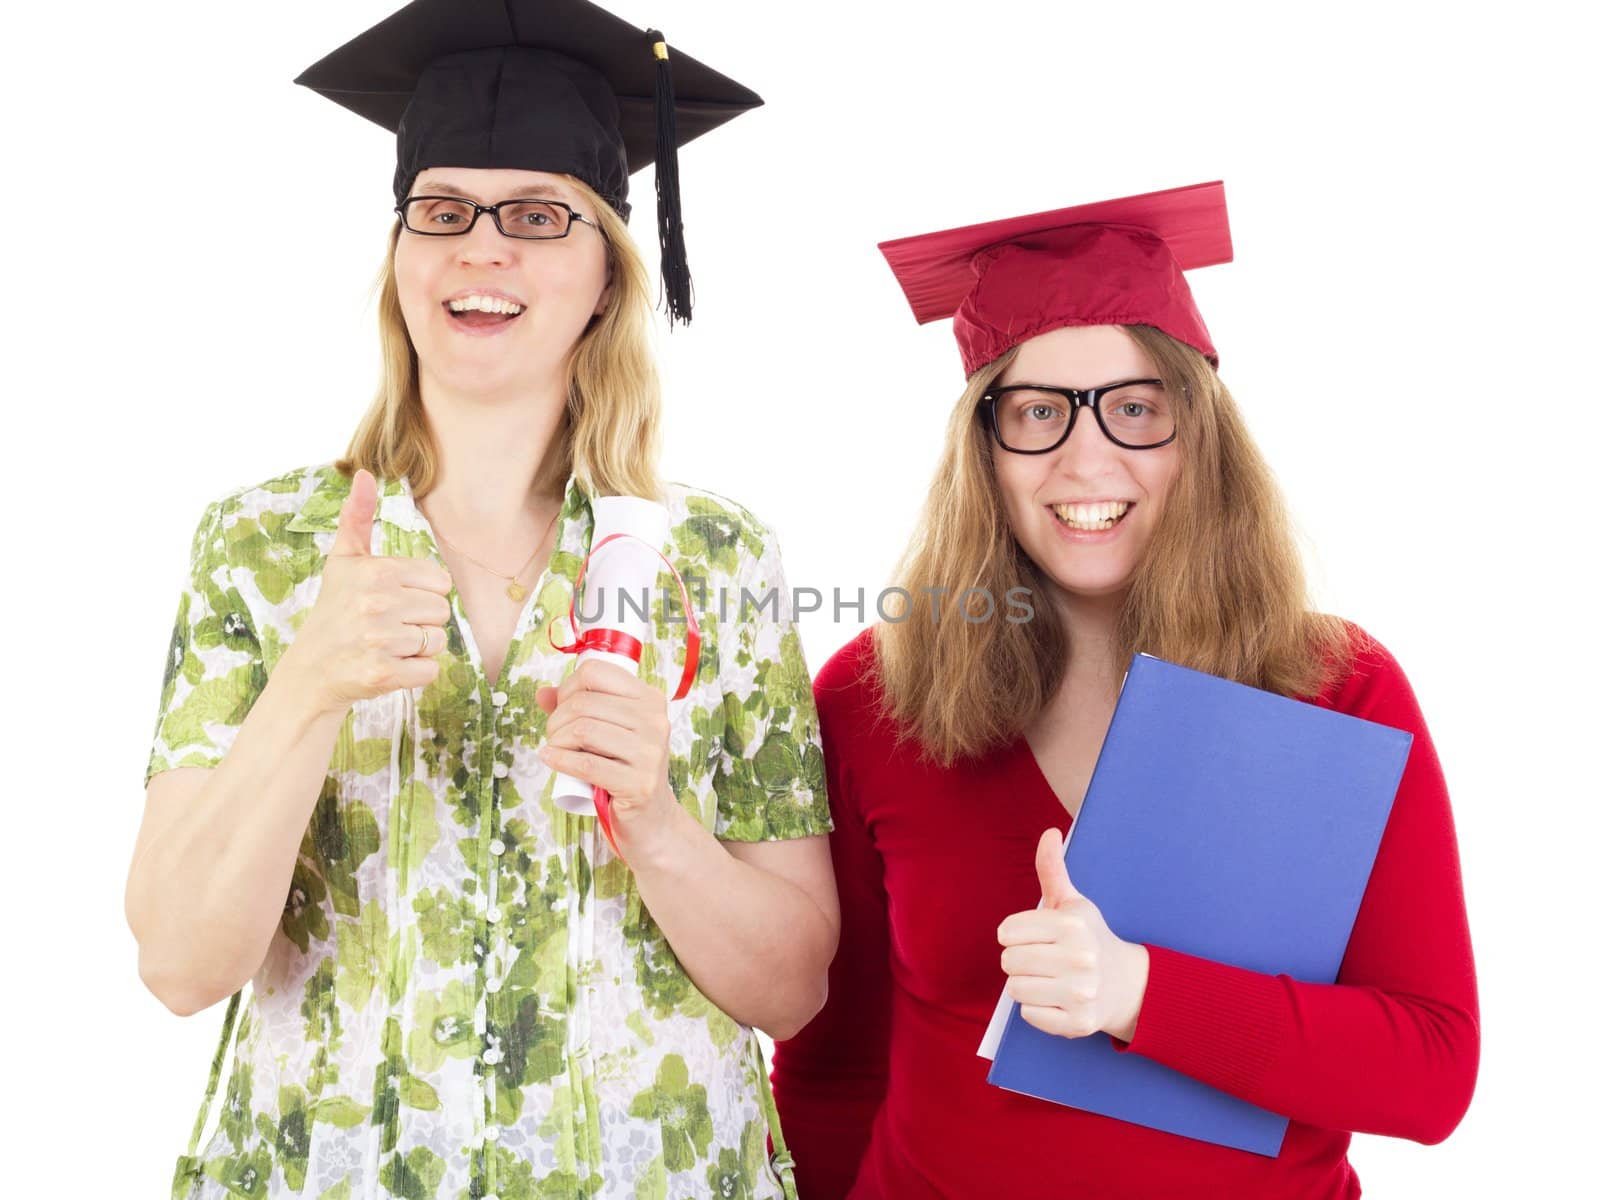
x,y
1116,262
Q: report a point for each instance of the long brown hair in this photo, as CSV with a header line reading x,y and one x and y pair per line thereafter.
x,y
611,437
1220,587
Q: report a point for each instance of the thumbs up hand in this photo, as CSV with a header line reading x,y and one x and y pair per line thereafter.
x,y
1069,974
354,538
378,622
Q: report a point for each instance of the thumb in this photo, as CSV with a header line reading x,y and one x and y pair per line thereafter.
x,y
355,516
545,698
1054,885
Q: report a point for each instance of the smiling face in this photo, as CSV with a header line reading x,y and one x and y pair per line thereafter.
x,y
491,313
1085,511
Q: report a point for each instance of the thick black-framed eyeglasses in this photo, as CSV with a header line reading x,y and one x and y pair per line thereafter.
x,y
1034,418
453,216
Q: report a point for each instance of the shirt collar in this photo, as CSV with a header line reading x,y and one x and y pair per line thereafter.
x,y
396,504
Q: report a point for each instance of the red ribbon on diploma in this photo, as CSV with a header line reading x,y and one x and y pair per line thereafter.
x,y
614,641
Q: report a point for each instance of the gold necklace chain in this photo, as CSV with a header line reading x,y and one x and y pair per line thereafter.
x,y
513,589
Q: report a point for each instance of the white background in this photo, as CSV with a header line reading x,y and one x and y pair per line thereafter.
x,y
1408,324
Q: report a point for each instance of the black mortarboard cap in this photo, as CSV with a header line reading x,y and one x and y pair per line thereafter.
x,y
538,85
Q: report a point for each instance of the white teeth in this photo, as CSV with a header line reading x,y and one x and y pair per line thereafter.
x,y
1100,515
492,304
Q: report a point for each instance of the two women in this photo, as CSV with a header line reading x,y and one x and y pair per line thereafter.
x,y
467,992
1097,462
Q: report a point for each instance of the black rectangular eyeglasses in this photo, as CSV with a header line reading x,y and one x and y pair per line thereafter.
x,y
453,216
1034,418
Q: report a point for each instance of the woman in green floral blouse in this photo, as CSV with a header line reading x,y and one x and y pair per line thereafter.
x,y
458,989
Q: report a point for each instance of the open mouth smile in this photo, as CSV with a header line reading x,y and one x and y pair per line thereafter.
x,y
481,312
1092,518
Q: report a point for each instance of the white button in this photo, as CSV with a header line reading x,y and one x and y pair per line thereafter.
x,y
491,1133
494,914
491,1056
501,770
492,984
497,847
499,699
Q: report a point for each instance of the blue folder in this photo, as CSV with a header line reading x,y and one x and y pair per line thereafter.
x,y
1228,823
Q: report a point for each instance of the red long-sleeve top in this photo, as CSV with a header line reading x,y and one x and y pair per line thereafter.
x,y
884,1095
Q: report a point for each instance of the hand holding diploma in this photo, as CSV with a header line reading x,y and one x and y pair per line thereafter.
x,y
1069,974
606,725
609,728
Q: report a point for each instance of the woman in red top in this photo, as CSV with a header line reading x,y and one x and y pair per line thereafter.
x,y
958,747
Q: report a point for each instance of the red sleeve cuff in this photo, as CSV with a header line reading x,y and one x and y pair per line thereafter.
x,y
1219,1024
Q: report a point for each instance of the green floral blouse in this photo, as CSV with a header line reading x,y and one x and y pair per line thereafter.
x,y
466,998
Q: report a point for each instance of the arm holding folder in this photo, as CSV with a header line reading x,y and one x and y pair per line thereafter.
x,y
1392,1046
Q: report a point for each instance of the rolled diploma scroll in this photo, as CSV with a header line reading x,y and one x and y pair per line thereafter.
x,y
624,566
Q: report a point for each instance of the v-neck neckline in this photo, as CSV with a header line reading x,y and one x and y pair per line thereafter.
x,y
458,608
1040,789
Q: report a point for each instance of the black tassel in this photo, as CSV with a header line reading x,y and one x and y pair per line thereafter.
x,y
669,206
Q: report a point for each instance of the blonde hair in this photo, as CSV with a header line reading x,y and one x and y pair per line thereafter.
x,y
611,437
1219,589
